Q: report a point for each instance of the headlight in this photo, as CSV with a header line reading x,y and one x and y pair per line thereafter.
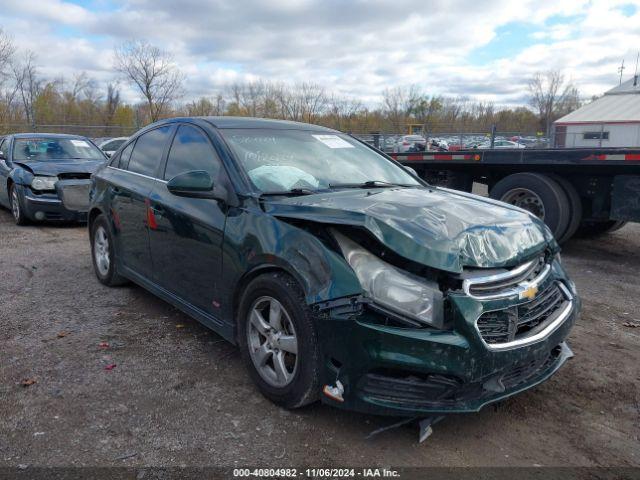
x,y
44,183
393,288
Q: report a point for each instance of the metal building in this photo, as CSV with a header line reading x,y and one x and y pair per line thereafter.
x,y
612,120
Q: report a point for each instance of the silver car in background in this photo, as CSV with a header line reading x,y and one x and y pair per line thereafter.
x,y
410,143
109,147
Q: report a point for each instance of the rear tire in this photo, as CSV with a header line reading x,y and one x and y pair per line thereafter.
x,y
103,253
538,194
260,333
575,207
590,229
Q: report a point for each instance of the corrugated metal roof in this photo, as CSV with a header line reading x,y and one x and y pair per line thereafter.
x,y
626,87
620,104
610,108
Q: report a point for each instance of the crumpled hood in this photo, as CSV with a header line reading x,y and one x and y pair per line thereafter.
x,y
440,228
55,167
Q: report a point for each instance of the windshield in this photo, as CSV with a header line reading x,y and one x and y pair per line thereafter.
x,y
55,148
281,160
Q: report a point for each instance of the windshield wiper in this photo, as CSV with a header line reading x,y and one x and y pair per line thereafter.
x,y
369,184
293,191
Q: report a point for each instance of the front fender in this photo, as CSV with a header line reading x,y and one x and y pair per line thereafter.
x,y
255,241
20,176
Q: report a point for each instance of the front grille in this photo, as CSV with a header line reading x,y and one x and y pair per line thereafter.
x,y
444,391
74,176
496,327
540,309
393,387
501,282
521,321
75,197
520,374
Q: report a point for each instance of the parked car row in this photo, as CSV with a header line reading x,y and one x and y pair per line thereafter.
x,y
418,143
340,274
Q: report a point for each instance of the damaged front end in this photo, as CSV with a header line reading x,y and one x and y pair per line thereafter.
x,y
419,340
452,343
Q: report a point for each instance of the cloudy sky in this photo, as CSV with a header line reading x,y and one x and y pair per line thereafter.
x,y
485,49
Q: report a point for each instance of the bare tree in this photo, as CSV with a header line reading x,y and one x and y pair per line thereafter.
x,y
204,107
547,92
7,50
28,85
313,99
8,95
399,102
112,103
153,72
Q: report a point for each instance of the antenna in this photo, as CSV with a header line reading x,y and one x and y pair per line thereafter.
x,y
635,74
621,69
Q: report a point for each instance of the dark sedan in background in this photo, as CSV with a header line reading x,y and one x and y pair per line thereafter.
x,y
46,176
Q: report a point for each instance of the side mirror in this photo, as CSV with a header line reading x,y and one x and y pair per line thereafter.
x,y
194,184
108,154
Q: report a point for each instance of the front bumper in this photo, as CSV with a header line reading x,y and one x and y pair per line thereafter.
x,y
390,370
53,206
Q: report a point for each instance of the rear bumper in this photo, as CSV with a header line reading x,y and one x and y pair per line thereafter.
x,y
398,371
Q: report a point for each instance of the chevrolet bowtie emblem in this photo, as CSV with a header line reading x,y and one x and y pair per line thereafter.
x,y
529,292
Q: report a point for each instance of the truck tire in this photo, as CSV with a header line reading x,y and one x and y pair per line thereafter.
x,y
575,207
538,194
588,229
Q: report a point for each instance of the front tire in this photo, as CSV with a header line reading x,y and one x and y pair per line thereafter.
x,y
103,253
278,340
16,207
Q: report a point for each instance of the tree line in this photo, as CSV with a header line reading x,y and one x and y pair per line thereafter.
x,y
28,100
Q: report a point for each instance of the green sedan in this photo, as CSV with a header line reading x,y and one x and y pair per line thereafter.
x,y
339,273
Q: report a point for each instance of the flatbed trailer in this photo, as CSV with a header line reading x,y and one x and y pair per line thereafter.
x,y
581,191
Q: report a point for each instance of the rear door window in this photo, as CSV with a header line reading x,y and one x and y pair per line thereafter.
x,y
191,150
147,153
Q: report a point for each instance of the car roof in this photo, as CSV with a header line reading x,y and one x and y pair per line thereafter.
x,y
252,122
42,134
102,142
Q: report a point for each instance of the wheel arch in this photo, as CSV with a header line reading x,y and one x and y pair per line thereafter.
x,y
92,215
254,273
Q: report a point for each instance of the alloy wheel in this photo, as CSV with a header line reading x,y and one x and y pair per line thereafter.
x,y
272,341
15,205
101,251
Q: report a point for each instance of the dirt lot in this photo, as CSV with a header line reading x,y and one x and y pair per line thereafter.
x,y
179,395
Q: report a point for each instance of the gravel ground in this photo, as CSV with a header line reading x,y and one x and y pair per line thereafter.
x,y
178,394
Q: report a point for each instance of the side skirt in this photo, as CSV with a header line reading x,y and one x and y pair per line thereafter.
x,y
221,328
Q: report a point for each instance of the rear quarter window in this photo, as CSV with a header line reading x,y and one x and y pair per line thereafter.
x,y
122,160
